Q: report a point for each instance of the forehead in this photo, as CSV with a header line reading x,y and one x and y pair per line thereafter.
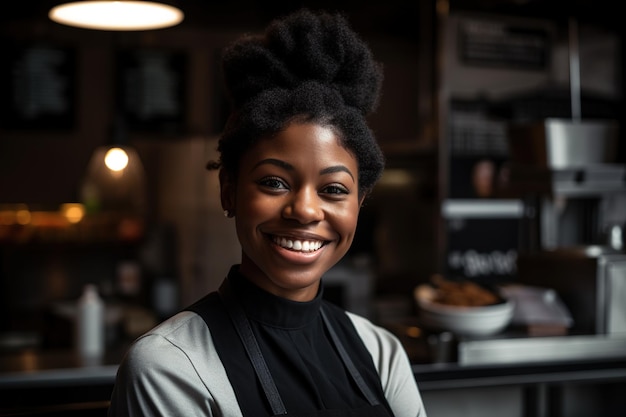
x,y
303,144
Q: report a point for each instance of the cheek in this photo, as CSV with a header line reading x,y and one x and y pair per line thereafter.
x,y
253,208
346,221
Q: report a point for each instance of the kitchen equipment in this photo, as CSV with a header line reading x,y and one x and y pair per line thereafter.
x,y
559,143
566,171
591,281
473,321
564,144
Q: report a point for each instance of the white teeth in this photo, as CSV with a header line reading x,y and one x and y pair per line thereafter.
x,y
298,245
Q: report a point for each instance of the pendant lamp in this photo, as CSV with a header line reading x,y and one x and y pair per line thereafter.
x,y
115,177
116,15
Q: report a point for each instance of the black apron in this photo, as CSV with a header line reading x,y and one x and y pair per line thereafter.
x,y
244,331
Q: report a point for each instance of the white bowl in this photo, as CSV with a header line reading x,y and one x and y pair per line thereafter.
x,y
460,320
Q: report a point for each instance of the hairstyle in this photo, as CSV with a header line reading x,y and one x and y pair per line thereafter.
x,y
306,67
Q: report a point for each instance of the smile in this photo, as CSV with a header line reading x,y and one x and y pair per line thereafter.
x,y
298,245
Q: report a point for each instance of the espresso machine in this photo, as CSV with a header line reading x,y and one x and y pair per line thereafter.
x,y
574,195
574,189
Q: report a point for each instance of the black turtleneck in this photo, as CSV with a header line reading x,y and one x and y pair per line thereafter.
x,y
294,341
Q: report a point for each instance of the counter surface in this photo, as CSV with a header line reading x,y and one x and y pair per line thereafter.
x,y
59,378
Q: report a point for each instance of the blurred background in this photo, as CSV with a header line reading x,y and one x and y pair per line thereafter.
x,y
501,121
71,93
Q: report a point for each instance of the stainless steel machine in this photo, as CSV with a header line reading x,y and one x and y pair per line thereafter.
x,y
575,211
574,192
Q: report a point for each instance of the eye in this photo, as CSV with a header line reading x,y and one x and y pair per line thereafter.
x,y
273,183
335,190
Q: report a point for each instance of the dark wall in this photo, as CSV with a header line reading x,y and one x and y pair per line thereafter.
x,y
42,163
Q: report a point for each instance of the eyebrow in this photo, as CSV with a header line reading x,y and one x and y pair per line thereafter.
x,y
337,168
287,166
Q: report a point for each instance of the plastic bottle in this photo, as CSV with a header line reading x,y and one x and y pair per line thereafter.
x,y
90,323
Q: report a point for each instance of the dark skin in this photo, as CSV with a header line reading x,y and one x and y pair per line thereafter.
x,y
296,205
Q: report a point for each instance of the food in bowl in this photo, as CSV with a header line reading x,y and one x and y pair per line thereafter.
x,y
463,308
463,293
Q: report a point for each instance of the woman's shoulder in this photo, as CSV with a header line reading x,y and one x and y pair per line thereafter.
x,y
181,345
378,340
176,357
172,337
367,326
393,366
185,330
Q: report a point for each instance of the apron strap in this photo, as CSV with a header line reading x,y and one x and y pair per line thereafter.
x,y
354,372
242,325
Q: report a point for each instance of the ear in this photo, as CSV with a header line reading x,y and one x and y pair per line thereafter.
x,y
227,191
362,199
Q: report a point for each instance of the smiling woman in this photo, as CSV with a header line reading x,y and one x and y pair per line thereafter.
x,y
297,159
296,187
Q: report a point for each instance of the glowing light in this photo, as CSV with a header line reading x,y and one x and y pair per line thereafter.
x,y
116,159
116,15
23,216
73,212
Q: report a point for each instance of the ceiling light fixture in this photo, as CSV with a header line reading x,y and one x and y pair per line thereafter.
x,y
116,15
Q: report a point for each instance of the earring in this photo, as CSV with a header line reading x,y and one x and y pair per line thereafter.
x,y
226,213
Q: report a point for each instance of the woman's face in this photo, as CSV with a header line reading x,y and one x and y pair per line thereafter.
x,y
296,206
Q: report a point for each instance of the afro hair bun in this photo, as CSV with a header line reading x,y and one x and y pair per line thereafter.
x,y
307,67
303,47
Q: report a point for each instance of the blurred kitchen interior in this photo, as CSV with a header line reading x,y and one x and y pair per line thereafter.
x,y
160,242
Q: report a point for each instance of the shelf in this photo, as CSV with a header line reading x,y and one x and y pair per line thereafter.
x,y
53,228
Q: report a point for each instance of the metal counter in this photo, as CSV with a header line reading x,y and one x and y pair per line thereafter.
x,y
540,349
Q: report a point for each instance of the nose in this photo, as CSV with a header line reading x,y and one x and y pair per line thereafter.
x,y
304,206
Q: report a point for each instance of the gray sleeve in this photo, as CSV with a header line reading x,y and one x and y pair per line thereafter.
x,y
394,368
156,378
174,370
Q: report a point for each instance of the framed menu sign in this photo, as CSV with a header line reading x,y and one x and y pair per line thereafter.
x,y
502,44
37,86
150,86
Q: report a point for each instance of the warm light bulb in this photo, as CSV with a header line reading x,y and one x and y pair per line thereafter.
x,y
116,159
116,15
73,212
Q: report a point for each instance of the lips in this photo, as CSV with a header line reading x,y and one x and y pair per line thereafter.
x,y
298,245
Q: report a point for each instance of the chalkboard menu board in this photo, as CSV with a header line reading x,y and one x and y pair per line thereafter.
x,y
483,239
150,86
37,86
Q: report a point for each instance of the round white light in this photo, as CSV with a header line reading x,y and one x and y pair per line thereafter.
x,y
116,159
116,15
